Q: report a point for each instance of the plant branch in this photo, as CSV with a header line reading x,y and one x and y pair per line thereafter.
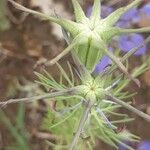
x,y
129,107
126,56
69,25
66,92
133,50
42,15
140,30
83,119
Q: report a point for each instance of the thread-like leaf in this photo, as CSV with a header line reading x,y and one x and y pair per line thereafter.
x,y
64,74
103,136
63,120
72,74
48,82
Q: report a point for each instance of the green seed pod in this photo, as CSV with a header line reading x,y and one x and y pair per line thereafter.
x,y
89,37
89,54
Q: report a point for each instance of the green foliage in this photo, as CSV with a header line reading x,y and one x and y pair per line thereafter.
x,y
63,121
89,113
17,131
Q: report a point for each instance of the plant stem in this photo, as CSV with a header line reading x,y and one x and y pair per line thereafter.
x,y
140,30
129,107
133,50
83,119
42,15
126,56
121,66
66,92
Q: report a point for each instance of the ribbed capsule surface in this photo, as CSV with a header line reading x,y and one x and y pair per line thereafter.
x,y
89,49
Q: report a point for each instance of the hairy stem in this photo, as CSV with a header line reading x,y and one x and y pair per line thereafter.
x,y
83,119
67,92
129,107
133,50
126,56
140,30
42,15
68,25
122,67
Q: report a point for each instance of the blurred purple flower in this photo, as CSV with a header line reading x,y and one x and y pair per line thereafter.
x,y
127,42
89,11
104,62
133,16
129,18
144,145
121,147
146,10
105,11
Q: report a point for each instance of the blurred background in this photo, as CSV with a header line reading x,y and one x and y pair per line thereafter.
x,y
25,41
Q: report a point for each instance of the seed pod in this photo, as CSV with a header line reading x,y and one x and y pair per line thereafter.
x,y
89,37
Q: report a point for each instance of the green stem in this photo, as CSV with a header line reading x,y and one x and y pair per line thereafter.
x,y
133,50
129,107
22,8
66,92
140,30
68,25
83,119
121,66
127,55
